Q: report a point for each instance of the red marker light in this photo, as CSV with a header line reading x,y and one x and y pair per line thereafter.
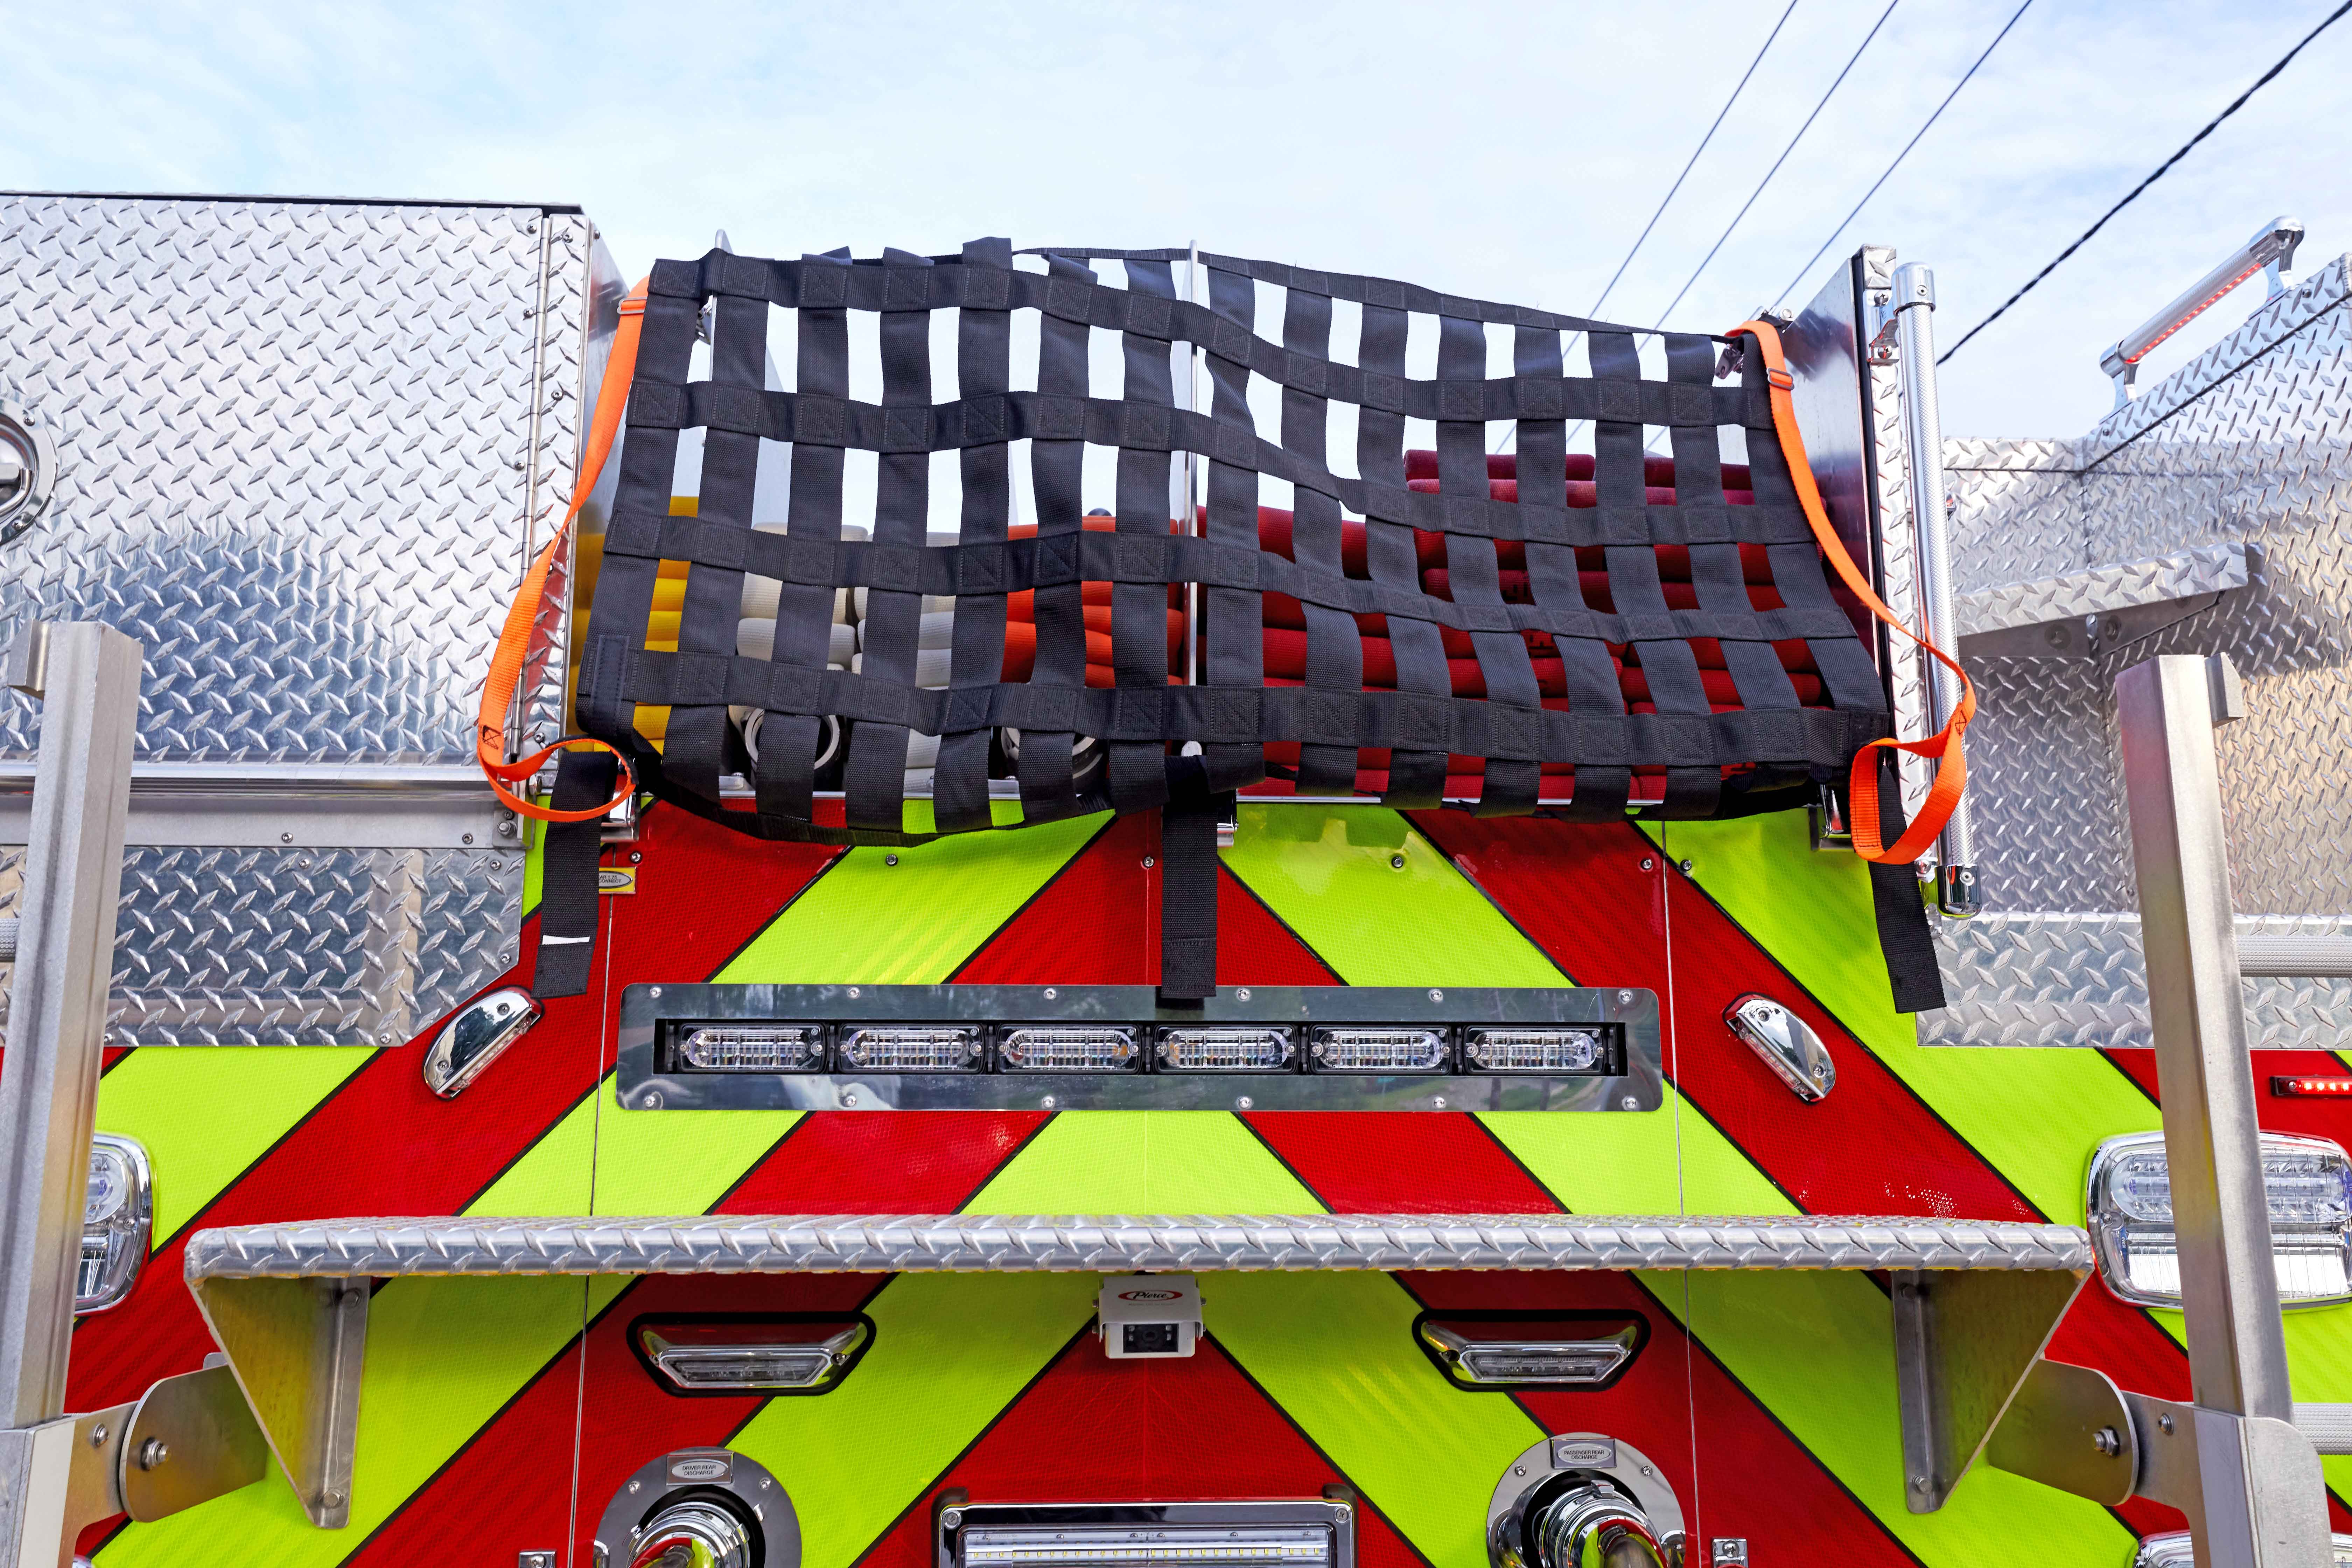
x,y
2316,1087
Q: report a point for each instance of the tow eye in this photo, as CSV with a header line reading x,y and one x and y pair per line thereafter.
x,y
1583,1501
700,1508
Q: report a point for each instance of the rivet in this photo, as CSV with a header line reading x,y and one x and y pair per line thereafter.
x,y
2163,1424
852,992
286,838
1244,1102
889,860
1918,1483
1146,862
1624,998
1519,1470
98,1435
1437,1102
1047,1103
1435,995
1631,1103
1648,864
636,857
1241,995
848,1097
656,990
467,838
634,1485
1396,862
1648,1470
652,1100
331,1499
1686,865
1051,992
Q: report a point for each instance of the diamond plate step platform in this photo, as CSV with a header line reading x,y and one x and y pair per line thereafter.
x,y
1974,1304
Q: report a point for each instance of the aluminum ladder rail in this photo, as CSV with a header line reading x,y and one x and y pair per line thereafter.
x,y
2236,1461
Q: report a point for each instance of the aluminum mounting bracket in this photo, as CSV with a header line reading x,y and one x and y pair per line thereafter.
x,y
1966,1345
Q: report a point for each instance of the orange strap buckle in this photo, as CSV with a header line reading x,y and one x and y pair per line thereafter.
x,y
514,640
1951,767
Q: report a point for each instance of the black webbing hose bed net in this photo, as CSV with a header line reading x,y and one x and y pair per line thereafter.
x,y
1582,634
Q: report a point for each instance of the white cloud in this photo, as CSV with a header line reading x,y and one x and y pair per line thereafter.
x,y
1506,150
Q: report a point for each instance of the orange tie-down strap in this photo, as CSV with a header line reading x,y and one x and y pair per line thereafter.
x,y
1951,767
514,641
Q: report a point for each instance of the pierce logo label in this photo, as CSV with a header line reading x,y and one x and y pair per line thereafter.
x,y
1151,1295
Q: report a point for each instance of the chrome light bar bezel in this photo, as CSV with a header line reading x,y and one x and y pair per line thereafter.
x,y
660,1341
1614,1337
1304,1534
2114,1229
1429,1068
115,1244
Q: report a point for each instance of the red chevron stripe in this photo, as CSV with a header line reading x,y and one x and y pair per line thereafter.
x,y
1092,1430
1098,923
381,1143
511,1483
1755,1479
1560,882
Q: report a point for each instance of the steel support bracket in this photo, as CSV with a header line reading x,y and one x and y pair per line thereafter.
x,y
2240,1479
1966,1344
2068,1428
296,1347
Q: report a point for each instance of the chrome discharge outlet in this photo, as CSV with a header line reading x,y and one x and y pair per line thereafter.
x,y
1583,1501
698,1508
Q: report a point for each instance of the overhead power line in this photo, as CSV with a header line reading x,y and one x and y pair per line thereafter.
x,y
2161,168
1754,196
1803,271
1688,164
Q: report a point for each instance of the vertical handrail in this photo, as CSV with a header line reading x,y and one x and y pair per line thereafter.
x,y
87,678
1914,308
2253,1513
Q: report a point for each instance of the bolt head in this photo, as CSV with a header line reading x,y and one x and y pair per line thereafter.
x,y
506,827
1396,862
1435,995
2164,1423
1519,1470
467,837
889,860
1648,864
1624,998
853,992
1686,865
1047,1103
2107,1441
952,1517
1146,862
98,1435
1437,1102
652,1102
1631,1103
656,990
286,838
1244,1102
153,1452
1051,992
1241,995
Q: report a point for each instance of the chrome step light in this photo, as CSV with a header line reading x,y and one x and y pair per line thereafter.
x,y
2308,1183
911,1047
727,1354
753,1048
1275,1534
1341,1047
1226,1048
1066,1047
698,1508
1487,1350
1786,1042
118,1214
476,1036
1583,1501
1527,1049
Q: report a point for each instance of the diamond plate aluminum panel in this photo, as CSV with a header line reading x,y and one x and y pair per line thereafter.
x,y
305,451
2208,569
2246,443
2080,979
299,947
1025,1242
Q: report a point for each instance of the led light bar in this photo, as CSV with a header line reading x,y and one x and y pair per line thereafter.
x,y
2310,1087
911,1047
754,1047
1225,1048
1069,1048
117,1213
2307,1180
1164,1546
774,1355
1340,1047
1520,1048
2174,1550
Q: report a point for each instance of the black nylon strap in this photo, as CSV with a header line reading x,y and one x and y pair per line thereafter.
x,y
1138,624
1335,654
1234,653
568,896
1048,787
1904,940
1188,887
976,660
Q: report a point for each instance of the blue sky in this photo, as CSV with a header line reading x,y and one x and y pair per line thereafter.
x,y
1511,152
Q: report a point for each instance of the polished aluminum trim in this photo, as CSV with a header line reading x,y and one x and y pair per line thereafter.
x,y
2107,1223
1307,1533
2173,1549
1478,1361
1124,1243
476,1036
621,1530
115,1245
1563,1460
2080,615
1788,1044
30,453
